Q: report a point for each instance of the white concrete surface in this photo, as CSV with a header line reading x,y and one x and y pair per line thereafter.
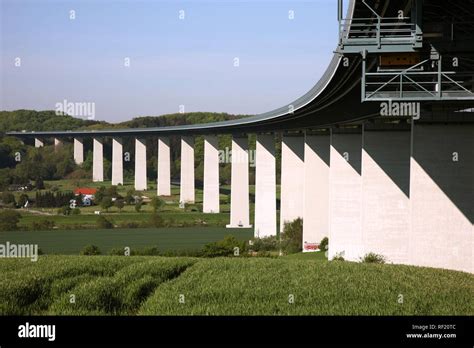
x,y
239,191
385,185
57,143
442,196
316,190
265,187
292,179
186,192
140,165
345,184
117,161
163,187
211,174
78,151
39,142
98,161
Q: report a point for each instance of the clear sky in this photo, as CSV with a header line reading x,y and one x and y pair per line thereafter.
x,y
173,61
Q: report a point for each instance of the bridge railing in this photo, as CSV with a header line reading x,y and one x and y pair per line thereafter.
x,y
415,85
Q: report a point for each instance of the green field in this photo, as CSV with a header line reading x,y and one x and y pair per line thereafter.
x,y
72,241
114,285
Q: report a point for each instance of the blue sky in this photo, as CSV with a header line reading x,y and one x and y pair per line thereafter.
x,y
173,61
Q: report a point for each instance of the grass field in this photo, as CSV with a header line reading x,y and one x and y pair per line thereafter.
x,y
72,241
228,286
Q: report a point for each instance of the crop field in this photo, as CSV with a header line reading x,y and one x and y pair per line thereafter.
x,y
305,285
72,241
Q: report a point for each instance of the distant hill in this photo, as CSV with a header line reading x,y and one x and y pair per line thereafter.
x,y
31,120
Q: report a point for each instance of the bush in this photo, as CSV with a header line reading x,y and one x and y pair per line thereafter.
x,y
22,200
225,247
102,222
64,210
373,258
106,203
138,206
156,220
76,211
338,257
270,243
292,236
157,203
90,250
323,245
119,204
9,220
42,225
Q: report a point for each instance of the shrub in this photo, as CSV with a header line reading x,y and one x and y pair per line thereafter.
x,y
270,243
292,236
157,203
156,220
90,250
225,247
76,211
9,220
42,225
323,245
66,210
138,206
102,222
106,203
119,203
373,258
23,199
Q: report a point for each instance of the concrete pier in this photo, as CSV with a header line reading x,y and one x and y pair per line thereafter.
x,y
239,191
441,196
187,170
316,191
78,151
140,165
211,174
39,142
292,178
345,185
164,168
117,161
385,192
98,161
265,187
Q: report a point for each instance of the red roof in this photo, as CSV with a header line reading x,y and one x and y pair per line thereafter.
x,y
85,191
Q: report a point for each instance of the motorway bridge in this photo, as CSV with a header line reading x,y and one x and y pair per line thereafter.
x,y
378,155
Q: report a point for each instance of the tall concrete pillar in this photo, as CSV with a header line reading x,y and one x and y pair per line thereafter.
x,y
140,165
441,196
292,178
57,143
211,175
78,151
39,142
164,168
265,187
345,184
98,160
239,188
385,192
187,170
117,161
316,190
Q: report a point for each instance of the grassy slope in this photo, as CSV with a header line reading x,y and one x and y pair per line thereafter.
x,y
152,285
72,241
